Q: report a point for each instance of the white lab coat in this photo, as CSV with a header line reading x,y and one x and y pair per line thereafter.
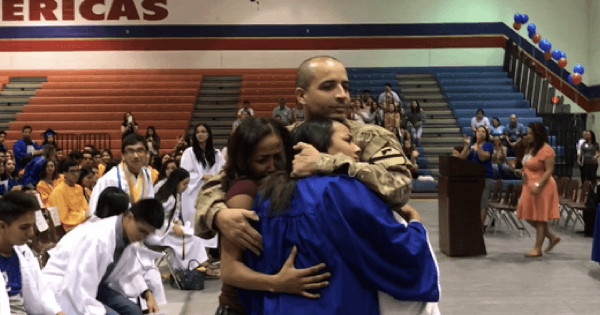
x,y
197,172
38,298
115,176
79,261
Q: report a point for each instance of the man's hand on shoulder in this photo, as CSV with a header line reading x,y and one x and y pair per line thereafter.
x,y
234,225
304,163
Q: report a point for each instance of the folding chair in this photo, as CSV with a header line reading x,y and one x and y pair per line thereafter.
x,y
495,198
168,259
496,207
570,196
577,207
512,208
562,188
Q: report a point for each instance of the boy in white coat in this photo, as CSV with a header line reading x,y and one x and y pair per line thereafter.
x,y
22,289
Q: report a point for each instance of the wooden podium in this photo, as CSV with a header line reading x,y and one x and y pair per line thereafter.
x,y
460,187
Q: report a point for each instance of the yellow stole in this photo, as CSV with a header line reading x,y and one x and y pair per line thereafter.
x,y
135,191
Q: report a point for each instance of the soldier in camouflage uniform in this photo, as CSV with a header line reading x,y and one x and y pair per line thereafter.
x,y
322,87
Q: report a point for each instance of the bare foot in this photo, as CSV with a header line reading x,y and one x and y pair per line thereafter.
x,y
552,244
534,253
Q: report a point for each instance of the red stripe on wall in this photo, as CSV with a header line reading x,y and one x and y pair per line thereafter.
x,y
162,44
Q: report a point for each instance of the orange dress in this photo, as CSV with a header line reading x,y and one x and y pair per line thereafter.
x,y
543,206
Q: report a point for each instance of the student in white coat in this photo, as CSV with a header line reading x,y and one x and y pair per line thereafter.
x,y
176,233
95,268
22,288
203,162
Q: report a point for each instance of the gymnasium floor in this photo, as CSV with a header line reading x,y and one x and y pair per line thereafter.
x,y
565,281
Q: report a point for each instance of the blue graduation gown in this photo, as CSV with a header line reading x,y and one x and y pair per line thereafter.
x,y
20,150
340,222
31,175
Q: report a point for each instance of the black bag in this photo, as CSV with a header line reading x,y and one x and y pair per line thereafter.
x,y
190,278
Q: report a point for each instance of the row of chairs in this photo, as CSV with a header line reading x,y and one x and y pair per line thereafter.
x,y
573,200
502,207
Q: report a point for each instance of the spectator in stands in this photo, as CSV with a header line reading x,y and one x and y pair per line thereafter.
x,y
88,158
284,112
499,159
94,169
513,132
366,97
25,149
59,153
590,151
202,161
245,107
148,166
376,114
106,156
76,156
89,147
49,137
166,169
481,152
3,156
153,140
579,157
2,137
86,181
96,270
243,116
539,199
298,112
3,180
97,156
497,130
388,91
479,120
520,149
129,125
391,118
358,111
111,164
69,197
32,172
412,154
25,287
48,180
11,176
416,119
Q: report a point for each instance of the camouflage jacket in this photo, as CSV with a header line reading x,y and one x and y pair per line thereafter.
x,y
384,169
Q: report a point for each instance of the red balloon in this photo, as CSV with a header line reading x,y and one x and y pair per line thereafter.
x,y
555,100
562,62
517,26
576,78
548,55
536,38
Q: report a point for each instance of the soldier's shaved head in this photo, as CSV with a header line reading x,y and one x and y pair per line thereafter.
x,y
305,72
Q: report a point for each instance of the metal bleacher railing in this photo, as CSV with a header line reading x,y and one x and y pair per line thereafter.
x,y
71,141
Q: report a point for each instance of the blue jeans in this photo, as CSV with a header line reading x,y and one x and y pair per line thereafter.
x,y
116,303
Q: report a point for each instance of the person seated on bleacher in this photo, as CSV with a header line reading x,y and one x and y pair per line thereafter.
x,y
25,149
243,116
298,113
76,156
245,107
165,171
153,140
34,167
412,154
520,148
69,197
49,137
89,147
97,157
366,97
479,120
106,156
497,130
416,119
284,112
10,179
2,137
358,112
96,269
388,91
48,180
86,181
3,155
24,290
375,114
129,125
513,132
391,117
87,159
499,159
59,153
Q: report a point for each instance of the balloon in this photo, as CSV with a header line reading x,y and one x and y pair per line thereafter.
x,y
570,79
576,78
536,38
563,54
517,26
545,45
578,68
531,28
518,18
562,62
556,54
530,34
524,18
555,99
548,55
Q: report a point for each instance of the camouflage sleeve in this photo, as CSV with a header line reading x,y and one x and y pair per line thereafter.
x,y
384,168
210,200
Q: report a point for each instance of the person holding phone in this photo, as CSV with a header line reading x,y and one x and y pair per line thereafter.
x,y
129,125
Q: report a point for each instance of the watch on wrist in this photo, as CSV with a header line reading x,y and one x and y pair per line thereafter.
x,y
537,185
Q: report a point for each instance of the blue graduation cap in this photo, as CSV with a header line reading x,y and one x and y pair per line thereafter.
x,y
48,132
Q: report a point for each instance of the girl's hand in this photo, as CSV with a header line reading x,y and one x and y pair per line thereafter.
x,y
299,281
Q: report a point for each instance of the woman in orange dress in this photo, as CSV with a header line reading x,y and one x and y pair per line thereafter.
x,y
539,199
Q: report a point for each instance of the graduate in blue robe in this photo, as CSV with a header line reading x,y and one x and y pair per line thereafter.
x,y
24,147
31,175
340,222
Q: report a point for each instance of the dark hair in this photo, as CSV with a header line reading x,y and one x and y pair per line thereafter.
x,y
133,139
416,110
16,204
49,150
154,135
125,119
89,145
243,142
112,201
593,137
479,110
162,174
387,84
87,152
305,74
149,211
206,157
488,136
43,171
26,127
279,185
83,172
96,152
539,137
15,172
366,91
2,132
495,118
111,163
107,151
170,189
75,155
67,164
246,102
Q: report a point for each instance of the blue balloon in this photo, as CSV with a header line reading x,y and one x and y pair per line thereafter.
x,y
545,45
578,68
563,54
530,34
570,79
531,28
556,54
524,18
518,18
